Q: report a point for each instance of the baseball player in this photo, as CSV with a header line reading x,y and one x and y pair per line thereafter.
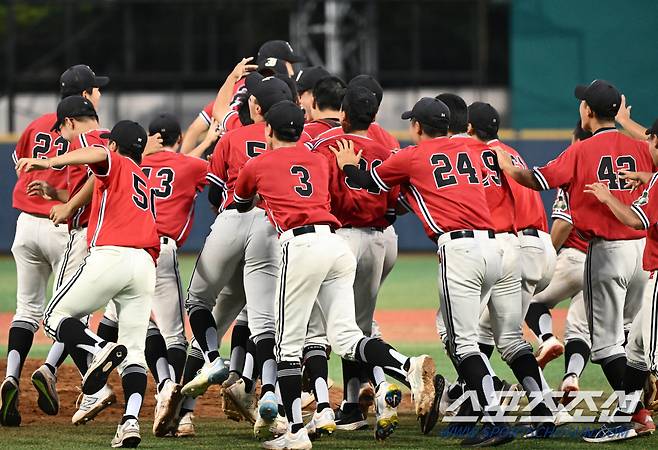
x,y
325,108
641,350
613,278
243,243
39,248
124,245
444,181
362,214
306,79
315,264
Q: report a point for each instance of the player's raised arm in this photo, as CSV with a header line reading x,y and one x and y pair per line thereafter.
x,y
523,176
89,155
225,95
191,136
623,118
624,213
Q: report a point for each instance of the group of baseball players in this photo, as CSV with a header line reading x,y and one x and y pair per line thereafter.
x,y
306,186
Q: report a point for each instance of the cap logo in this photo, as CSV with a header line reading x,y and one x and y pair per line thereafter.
x,y
139,139
271,62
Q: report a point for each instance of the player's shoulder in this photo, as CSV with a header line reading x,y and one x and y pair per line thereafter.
x,y
42,123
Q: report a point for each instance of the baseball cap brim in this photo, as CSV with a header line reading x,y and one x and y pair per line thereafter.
x,y
101,81
252,81
294,58
579,92
407,115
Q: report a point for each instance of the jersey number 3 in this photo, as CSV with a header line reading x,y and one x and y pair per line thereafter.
x,y
304,188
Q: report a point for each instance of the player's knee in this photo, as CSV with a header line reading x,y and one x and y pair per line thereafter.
x,y
193,303
512,349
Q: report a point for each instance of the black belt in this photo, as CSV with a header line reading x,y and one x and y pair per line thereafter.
x,y
530,232
306,229
380,229
469,234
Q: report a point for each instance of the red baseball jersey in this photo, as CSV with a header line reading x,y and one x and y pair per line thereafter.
x,y
646,208
37,141
352,205
176,180
121,208
598,159
375,132
231,153
496,186
77,175
315,128
206,112
294,186
528,207
561,210
444,182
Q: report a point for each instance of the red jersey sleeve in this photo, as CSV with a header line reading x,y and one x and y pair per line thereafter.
x,y
559,171
245,186
200,172
217,171
206,112
646,206
231,121
395,170
103,169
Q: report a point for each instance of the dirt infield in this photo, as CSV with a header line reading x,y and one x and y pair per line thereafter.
x,y
208,406
398,326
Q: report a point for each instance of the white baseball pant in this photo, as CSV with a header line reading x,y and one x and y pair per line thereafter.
x,y
614,286
38,248
125,275
642,346
537,264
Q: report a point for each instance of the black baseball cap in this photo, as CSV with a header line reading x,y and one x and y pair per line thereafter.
x,y
287,119
128,135
73,106
278,49
79,78
272,66
369,82
308,77
360,104
429,111
267,90
483,116
290,83
602,97
167,125
654,129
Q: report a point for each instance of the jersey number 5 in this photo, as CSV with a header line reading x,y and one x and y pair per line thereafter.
x,y
610,172
142,197
255,148
305,188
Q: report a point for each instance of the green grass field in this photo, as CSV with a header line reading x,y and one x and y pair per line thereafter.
x,y
411,285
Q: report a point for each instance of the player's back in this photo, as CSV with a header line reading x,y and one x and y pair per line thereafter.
x,y
231,153
445,186
315,128
38,141
294,184
121,211
176,180
379,134
528,205
600,159
352,205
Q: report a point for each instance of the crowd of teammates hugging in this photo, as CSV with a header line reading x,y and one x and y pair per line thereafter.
x,y
306,186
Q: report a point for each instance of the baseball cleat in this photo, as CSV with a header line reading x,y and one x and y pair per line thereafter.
x,y
307,399
169,400
215,372
244,402
127,435
489,436
387,399
290,441
233,376
89,406
268,429
562,417
507,392
549,350
186,426
322,423
268,406
366,398
641,424
9,414
421,379
570,384
45,383
428,421
350,421
104,362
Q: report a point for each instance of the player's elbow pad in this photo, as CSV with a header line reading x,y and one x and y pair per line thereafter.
x,y
215,195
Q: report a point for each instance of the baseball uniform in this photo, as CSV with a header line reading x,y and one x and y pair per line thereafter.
x,y
613,279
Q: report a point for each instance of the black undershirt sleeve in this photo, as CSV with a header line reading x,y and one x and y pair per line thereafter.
x,y
215,195
361,178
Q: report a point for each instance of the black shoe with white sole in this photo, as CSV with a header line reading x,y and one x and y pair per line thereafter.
x,y
101,366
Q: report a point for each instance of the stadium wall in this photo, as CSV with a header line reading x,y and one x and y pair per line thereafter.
x,y
409,229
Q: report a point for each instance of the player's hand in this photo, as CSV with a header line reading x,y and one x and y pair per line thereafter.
x,y
624,113
242,69
32,164
635,179
42,189
344,152
599,190
60,213
214,131
504,159
153,144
